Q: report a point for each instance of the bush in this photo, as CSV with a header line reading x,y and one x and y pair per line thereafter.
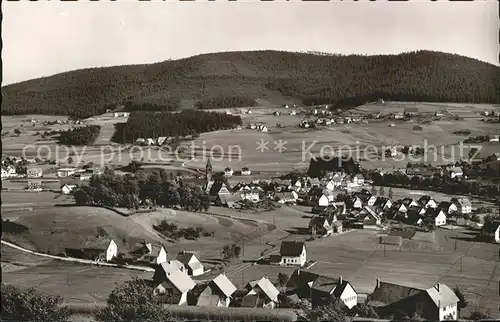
x,y
478,315
417,128
80,136
28,305
365,311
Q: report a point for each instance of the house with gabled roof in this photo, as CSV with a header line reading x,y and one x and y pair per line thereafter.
x,y
100,247
228,172
447,207
436,303
293,253
250,194
455,172
436,216
371,219
288,197
169,266
322,226
491,231
463,205
419,210
218,292
427,202
367,198
413,217
321,288
177,284
399,206
260,293
327,197
149,253
245,171
191,262
354,203
383,203
409,202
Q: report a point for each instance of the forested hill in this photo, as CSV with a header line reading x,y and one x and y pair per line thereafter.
x,y
415,76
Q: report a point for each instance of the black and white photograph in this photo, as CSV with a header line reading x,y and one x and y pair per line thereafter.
x,y
250,161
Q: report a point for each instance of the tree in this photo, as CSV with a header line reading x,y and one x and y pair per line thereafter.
x,y
365,311
134,301
390,193
381,191
282,280
17,131
478,315
134,165
70,160
29,305
462,301
475,218
231,251
330,311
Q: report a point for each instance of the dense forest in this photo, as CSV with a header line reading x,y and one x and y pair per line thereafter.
x,y
156,124
85,135
130,191
318,167
225,102
336,79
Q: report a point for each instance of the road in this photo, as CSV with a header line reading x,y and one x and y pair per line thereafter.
x,y
77,260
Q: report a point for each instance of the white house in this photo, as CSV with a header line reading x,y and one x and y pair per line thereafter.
x,y
218,293
324,286
494,138
151,253
140,141
293,113
65,172
455,172
356,203
293,253
438,216
326,198
66,189
34,173
427,202
251,195
287,197
150,141
245,171
264,129
330,185
176,283
399,206
191,262
463,205
447,207
228,172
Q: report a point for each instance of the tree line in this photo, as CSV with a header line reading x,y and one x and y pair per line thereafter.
x,y
225,102
317,79
167,106
133,190
319,166
85,135
145,124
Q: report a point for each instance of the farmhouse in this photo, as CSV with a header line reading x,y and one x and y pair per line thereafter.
x,y
287,197
191,262
66,189
491,231
326,198
437,303
355,203
261,293
150,253
166,267
34,173
399,206
321,288
383,203
245,171
494,138
367,198
65,172
371,219
463,205
447,207
292,253
409,202
251,195
322,226
218,293
436,216
94,247
427,202
177,284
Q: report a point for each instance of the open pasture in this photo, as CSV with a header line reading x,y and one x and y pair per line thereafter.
x,y
20,198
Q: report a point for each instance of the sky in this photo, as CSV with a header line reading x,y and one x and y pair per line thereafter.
x,y
48,37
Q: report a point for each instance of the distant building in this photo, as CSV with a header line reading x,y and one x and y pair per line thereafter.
x,y
455,172
191,262
66,189
245,171
494,138
228,172
260,293
177,284
293,253
463,205
427,202
66,172
218,293
34,173
150,253
287,197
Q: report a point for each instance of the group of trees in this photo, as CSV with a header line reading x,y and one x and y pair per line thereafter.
x,y
317,79
230,252
318,167
155,124
172,231
168,106
84,135
225,102
437,183
130,191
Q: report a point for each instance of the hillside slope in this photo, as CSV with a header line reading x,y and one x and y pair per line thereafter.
x,y
417,76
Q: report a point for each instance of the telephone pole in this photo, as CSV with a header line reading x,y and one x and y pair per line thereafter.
x,y
461,261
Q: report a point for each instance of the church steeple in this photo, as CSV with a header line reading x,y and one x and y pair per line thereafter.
x,y
208,170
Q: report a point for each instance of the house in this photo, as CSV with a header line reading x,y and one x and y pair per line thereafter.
x,y
245,171
261,293
436,303
383,203
177,284
264,129
355,203
399,206
287,197
494,138
358,180
297,185
292,113
149,141
34,173
371,219
436,216
276,113
398,116
293,253
340,206
252,195
66,189
330,185
218,292
420,210
320,288
409,202
161,140
391,152
327,197
455,172
228,172
140,141
491,231
34,185
463,205
447,207
313,182
65,172
191,262
414,217
230,200
367,198
150,253
427,202
163,268
97,248
319,225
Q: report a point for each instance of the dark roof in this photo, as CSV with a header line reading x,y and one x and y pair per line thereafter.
x,y
184,257
380,201
424,199
407,201
389,293
291,248
300,278
329,285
